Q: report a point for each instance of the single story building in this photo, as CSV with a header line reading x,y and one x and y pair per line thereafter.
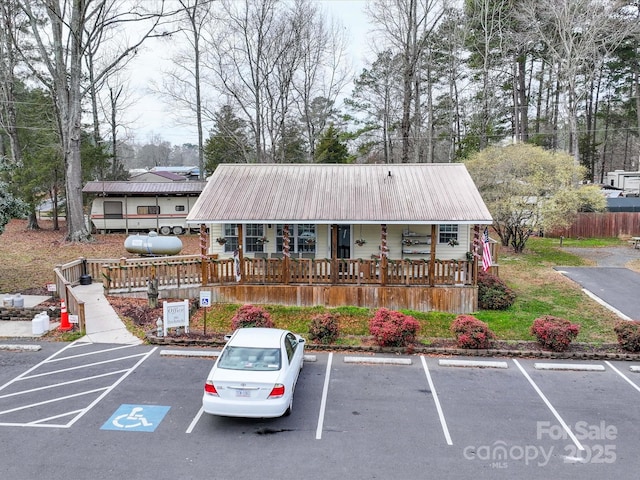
x,y
402,236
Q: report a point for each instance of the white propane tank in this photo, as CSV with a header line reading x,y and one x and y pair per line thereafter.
x,y
153,244
45,321
37,325
18,301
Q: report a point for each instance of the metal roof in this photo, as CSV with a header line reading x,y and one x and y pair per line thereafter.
x,y
144,188
324,194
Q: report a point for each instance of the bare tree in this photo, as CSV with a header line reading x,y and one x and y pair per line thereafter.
x,y
322,74
183,82
8,64
407,26
60,33
577,35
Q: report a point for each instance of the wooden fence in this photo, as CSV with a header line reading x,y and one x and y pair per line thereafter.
x,y
601,225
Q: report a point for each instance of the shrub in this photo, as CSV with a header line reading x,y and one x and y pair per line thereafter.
x,y
250,316
393,329
554,333
628,333
471,332
324,328
493,293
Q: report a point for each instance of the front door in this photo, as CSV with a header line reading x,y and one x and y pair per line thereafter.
x,y
344,241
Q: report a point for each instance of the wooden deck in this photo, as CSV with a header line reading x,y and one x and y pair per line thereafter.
x,y
447,285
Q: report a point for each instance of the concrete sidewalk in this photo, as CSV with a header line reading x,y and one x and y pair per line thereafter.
x,y
102,322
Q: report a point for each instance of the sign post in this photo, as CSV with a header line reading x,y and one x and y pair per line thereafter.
x,y
205,301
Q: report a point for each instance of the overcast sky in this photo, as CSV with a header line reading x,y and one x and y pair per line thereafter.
x,y
148,117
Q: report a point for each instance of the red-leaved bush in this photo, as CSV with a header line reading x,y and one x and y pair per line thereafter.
x,y
628,333
251,316
471,332
554,333
393,329
324,328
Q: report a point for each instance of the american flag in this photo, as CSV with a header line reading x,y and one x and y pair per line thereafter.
x,y
486,251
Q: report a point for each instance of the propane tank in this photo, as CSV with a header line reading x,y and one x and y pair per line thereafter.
x,y
153,244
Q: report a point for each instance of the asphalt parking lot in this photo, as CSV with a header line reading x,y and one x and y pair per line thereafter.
x,y
105,411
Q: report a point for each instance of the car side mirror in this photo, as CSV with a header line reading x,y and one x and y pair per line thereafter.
x,y
227,338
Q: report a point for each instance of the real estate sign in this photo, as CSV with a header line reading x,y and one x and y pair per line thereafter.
x,y
175,314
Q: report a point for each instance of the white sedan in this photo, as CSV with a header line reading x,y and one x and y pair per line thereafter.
x,y
255,374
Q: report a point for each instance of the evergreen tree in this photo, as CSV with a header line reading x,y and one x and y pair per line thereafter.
x,y
330,149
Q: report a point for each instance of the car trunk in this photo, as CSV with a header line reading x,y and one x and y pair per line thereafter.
x,y
244,385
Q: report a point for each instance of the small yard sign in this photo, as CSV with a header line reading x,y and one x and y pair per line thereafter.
x,y
175,314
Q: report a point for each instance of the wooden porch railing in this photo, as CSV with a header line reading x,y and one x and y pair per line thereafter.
x,y
134,274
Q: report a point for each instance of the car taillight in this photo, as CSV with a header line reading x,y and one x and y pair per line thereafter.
x,y
209,388
277,391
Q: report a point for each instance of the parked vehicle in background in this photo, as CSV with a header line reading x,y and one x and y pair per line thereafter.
x,y
255,375
142,206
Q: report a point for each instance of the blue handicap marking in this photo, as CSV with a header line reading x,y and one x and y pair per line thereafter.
x,y
136,418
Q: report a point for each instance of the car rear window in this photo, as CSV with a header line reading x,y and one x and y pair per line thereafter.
x,y
243,358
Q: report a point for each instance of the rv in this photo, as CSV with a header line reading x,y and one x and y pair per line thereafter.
x,y
141,206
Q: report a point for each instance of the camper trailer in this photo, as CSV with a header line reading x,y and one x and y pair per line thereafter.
x,y
141,206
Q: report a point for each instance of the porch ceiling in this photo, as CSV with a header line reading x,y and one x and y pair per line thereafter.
x,y
424,193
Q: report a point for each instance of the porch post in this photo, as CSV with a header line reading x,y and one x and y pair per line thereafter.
x,y
476,254
240,255
384,253
204,241
285,253
334,254
432,262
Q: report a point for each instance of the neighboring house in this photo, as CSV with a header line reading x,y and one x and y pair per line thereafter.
x,y
142,206
401,235
157,177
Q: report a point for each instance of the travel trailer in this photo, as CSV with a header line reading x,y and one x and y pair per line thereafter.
x,y
142,206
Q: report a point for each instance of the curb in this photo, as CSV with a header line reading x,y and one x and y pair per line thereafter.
x,y
472,363
28,348
569,366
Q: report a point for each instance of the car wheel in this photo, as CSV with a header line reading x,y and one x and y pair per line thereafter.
x,y
165,230
287,412
178,230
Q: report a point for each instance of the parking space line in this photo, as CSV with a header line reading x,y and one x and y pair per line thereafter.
x,y
94,352
61,384
323,403
432,387
628,380
23,374
548,403
85,366
114,385
195,420
53,400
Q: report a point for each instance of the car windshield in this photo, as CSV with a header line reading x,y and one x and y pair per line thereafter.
x,y
243,358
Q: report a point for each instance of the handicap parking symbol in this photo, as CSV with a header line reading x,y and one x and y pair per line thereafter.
x,y
136,418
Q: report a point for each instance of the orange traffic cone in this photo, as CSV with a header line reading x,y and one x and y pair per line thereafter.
x,y
64,318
